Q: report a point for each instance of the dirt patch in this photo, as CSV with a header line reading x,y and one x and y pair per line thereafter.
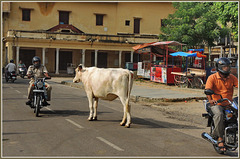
x,y
190,111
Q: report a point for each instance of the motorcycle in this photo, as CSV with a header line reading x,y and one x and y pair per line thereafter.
x,y
22,71
230,137
11,76
39,95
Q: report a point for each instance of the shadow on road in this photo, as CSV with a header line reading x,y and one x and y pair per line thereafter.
x,y
151,123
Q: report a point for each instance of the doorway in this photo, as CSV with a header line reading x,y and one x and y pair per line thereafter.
x,y
26,56
101,59
65,58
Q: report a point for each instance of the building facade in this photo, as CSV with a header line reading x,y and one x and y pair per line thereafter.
x,y
66,34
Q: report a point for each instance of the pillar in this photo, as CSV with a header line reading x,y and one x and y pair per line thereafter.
x,y
96,51
9,51
131,56
83,57
43,56
17,55
57,60
120,59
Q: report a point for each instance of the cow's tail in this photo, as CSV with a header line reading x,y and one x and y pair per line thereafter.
x,y
130,83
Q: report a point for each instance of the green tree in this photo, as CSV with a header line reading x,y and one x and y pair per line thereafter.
x,y
193,23
228,13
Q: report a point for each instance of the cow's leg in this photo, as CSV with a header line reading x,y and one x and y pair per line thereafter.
x,y
90,101
95,109
126,113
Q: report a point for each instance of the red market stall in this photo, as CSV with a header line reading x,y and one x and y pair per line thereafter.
x,y
158,71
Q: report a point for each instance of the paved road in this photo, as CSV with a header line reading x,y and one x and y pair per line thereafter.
x,y
63,129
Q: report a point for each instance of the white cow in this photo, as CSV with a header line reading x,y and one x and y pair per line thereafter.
x,y
106,84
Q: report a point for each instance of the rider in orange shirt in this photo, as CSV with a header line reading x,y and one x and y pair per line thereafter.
x,y
222,82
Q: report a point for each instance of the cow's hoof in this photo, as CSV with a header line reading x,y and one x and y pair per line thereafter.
x,y
122,124
127,126
95,118
90,119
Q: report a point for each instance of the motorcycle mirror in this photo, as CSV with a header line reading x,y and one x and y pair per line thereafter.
x,y
208,92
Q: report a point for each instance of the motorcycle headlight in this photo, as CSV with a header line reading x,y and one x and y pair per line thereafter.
x,y
39,84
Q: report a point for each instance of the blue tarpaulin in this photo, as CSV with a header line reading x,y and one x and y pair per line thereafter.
x,y
183,54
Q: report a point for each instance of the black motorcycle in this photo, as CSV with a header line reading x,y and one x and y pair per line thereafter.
x,y
22,71
10,76
39,95
230,138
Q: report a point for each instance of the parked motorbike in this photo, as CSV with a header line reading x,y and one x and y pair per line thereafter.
x,y
10,76
22,71
39,95
230,137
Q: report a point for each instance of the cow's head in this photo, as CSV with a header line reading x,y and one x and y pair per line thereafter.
x,y
78,75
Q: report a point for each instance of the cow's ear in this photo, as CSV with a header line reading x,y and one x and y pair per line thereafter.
x,y
80,67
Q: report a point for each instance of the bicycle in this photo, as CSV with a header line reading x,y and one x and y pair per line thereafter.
x,y
185,81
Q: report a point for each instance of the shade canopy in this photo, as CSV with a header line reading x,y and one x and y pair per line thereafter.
x,y
184,54
170,43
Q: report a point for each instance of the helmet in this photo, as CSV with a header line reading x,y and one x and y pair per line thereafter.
x,y
223,62
35,59
11,61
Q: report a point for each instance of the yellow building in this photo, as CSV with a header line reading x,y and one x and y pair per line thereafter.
x,y
66,34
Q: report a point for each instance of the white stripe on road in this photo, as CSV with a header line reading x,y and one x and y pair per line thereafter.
x,y
18,91
110,144
72,122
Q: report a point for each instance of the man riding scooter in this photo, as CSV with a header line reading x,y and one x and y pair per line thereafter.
x,y
39,71
10,68
222,83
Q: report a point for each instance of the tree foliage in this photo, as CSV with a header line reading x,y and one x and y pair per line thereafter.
x,y
194,23
228,13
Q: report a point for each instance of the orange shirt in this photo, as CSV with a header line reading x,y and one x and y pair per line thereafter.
x,y
221,86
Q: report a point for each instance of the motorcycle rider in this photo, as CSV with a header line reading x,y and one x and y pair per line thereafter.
x,y
11,67
21,64
221,82
39,71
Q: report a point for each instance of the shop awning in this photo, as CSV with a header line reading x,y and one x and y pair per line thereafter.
x,y
187,54
168,43
156,44
183,54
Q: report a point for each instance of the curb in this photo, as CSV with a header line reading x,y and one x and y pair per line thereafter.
x,y
135,98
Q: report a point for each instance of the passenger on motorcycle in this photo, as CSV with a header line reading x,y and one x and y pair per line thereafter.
x,y
38,71
11,67
21,64
221,82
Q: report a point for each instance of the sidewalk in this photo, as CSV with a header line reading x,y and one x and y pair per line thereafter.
x,y
150,93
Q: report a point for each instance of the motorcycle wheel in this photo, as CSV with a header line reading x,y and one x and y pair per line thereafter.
x,y
37,106
216,148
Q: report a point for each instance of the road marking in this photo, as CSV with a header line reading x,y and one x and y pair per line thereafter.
x,y
11,87
25,96
72,122
50,109
18,91
110,144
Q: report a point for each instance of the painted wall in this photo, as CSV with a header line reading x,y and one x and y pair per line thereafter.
x,y
45,15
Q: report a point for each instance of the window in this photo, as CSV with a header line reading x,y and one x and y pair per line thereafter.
x,y
63,17
26,14
136,26
127,22
99,19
